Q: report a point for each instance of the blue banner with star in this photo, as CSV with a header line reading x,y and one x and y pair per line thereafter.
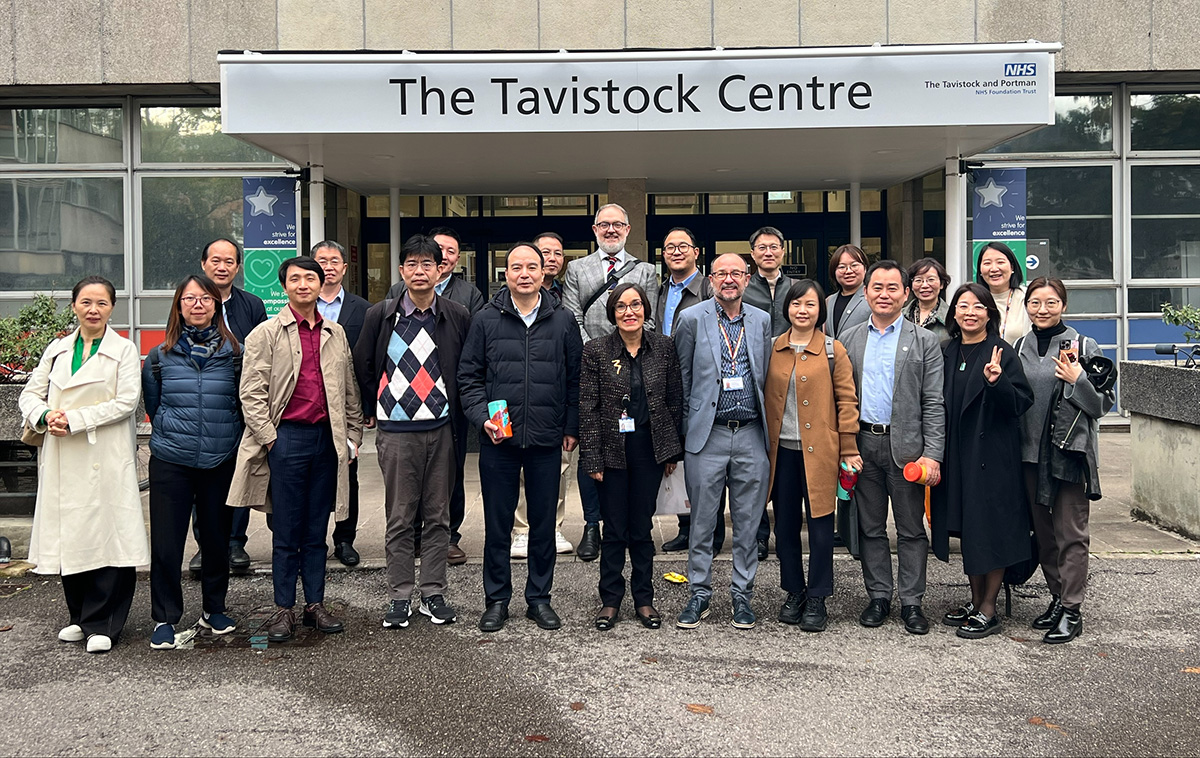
x,y
269,230
998,213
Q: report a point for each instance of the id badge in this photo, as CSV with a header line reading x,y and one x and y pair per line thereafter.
x,y
732,383
625,425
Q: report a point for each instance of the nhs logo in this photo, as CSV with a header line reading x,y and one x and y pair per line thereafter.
x,y
1022,70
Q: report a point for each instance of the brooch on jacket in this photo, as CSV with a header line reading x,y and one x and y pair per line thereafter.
x,y
617,365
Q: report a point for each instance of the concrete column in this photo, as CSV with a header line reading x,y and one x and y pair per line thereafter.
x,y
906,222
630,194
316,192
856,214
394,232
956,224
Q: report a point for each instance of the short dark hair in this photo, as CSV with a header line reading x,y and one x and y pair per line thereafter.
x,y
802,287
531,246
835,259
923,265
1047,281
766,230
552,235
301,262
237,249
420,246
445,231
683,229
886,265
89,280
610,309
329,245
985,297
1017,277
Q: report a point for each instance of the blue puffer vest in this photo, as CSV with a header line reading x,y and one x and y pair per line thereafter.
x,y
195,412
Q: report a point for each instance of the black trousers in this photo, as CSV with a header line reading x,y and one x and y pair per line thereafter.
x,y
347,529
791,508
304,471
627,501
458,495
99,600
175,491
500,468
239,524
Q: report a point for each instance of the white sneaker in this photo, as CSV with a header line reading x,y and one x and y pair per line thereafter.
x,y
98,643
520,546
72,633
562,545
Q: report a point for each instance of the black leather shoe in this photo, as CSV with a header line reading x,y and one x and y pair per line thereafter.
x,y
493,617
876,612
792,609
194,565
978,626
679,544
762,550
960,614
239,560
1069,626
544,616
346,553
815,617
914,621
1049,619
589,544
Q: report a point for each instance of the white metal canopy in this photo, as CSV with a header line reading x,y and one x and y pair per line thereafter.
x,y
563,122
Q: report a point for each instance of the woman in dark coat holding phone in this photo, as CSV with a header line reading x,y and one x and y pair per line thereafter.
x,y
981,499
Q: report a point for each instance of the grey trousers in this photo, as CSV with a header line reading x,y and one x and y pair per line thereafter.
x,y
1063,538
881,478
737,459
418,471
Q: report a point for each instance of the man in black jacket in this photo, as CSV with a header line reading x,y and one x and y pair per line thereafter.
x,y
406,365
450,285
221,261
525,350
347,310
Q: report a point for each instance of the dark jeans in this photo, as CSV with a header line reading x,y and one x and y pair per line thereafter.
x,y
500,468
99,600
303,490
458,496
589,496
627,500
347,529
791,508
175,493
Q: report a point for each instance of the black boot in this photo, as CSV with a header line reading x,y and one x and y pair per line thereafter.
x,y
1069,626
589,545
1049,619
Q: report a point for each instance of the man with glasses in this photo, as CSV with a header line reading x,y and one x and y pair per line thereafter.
x,y
685,287
347,310
724,348
585,293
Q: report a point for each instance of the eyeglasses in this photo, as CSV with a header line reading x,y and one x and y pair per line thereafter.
x,y
425,265
635,306
734,275
682,247
190,300
1037,305
768,248
848,266
615,225
925,280
972,308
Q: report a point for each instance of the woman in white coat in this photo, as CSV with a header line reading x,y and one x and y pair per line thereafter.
x,y
88,524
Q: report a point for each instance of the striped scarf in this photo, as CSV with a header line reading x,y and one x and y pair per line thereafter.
x,y
201,343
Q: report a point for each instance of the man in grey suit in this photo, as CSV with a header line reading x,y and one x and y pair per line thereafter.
x,y
898,367
588,278
724,347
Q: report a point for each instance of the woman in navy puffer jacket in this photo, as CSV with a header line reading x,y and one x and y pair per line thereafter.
x,y
190,383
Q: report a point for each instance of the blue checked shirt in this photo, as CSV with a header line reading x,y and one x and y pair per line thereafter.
x,y
735,405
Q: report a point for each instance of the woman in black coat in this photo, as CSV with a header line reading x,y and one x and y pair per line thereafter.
x,y
981,499
630,413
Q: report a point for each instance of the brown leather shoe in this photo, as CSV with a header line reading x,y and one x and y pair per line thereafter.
x,y
455,555
316,615
283,625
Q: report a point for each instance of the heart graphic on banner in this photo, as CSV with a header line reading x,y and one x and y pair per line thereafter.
x,y
261,271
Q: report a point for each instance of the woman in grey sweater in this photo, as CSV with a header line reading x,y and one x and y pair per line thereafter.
x,y
1058,450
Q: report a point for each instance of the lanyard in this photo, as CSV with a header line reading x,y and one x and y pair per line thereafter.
x,y
733,349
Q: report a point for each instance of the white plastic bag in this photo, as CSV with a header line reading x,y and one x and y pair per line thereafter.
x,y
672,494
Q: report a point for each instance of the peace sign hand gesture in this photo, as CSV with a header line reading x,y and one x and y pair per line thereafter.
x,y
991,370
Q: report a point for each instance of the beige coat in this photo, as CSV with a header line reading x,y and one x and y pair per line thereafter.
x,y
270,365
89,510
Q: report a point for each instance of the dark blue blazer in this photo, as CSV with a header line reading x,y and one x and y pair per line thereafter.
x,y
244,311
354,311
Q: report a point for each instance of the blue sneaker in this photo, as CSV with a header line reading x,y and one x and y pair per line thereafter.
x,y
219,623
695,610
743,617
163,638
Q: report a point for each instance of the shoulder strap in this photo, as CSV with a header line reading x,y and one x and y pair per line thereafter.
x,y
609,281
156,365
1017,345
829,352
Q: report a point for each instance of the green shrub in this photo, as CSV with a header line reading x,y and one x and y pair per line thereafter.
x,y
1187,316
25,336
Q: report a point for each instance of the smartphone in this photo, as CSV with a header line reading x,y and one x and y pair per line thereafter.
x,y
1068,350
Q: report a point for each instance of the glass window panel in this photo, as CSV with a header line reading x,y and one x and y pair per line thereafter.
x,y
456,206
434,206
1165,228
565,205
193,135
1081,123
1069,190
154,311
784,202
379,270
870,200
410,206
55,231
1081,301
1165,121
1151,299
933,191
1159,190
379,206
180,215
510,205
672,205
837,201
734,202
61,135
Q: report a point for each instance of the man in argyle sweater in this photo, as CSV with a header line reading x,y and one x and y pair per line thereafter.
x,y
406,362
